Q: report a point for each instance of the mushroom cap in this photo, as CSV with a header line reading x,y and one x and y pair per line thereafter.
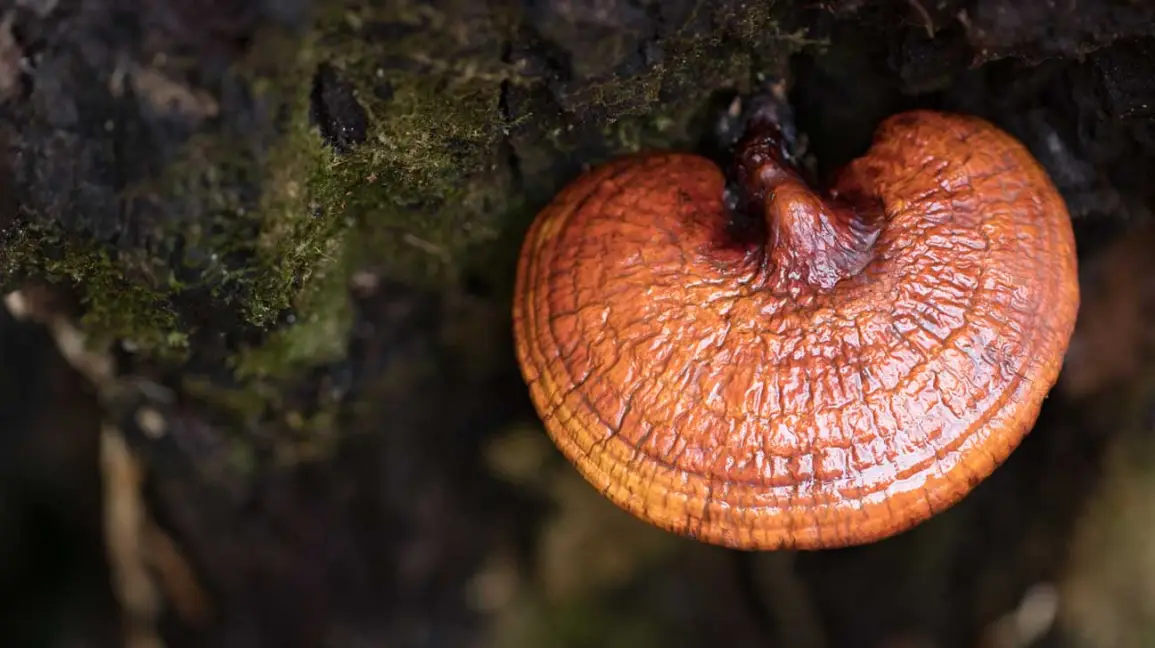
x,y
717,404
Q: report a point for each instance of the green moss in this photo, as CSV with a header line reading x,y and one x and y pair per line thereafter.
x,y
257,261
424,186
317,332
416,207
116,307
297,240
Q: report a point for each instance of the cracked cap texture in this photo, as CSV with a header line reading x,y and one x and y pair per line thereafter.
x,y
832,372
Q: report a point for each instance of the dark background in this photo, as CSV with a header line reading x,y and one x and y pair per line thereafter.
x,y
287,229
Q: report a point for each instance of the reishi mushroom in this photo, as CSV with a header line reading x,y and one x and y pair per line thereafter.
x,y
802,369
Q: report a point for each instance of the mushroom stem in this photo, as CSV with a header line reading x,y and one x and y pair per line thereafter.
x,y
812,240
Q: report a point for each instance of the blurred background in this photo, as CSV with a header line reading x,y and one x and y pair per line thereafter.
x,y
257,385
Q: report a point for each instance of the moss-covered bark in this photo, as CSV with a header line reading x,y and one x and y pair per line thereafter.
x,y
181,189
202,205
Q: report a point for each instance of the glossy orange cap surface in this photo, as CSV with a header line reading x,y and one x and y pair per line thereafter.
x,y
811,370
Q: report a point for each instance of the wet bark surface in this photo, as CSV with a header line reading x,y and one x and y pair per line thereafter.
x,y
339,190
